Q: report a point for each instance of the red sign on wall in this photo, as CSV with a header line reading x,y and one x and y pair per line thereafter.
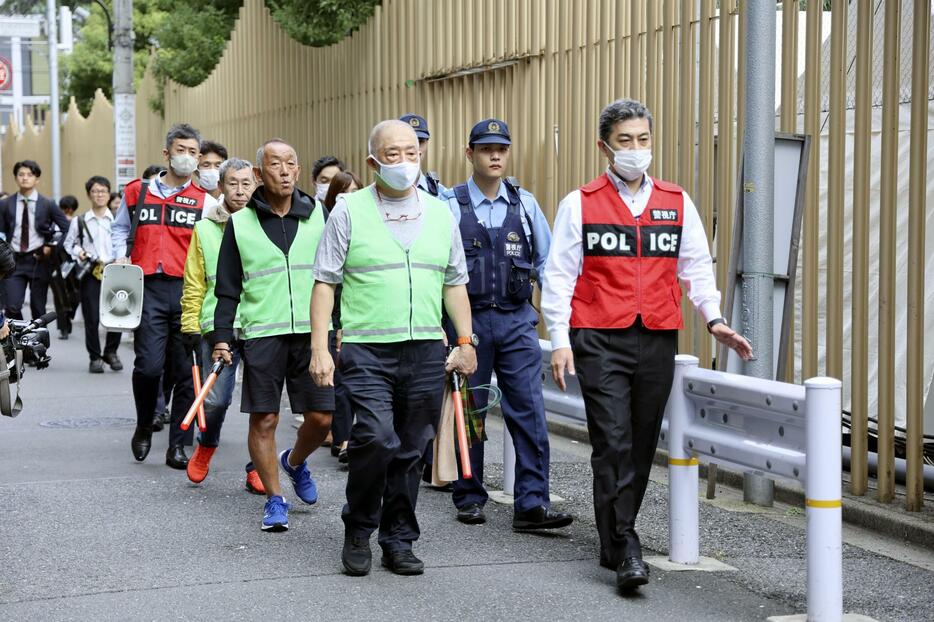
x,y
6,74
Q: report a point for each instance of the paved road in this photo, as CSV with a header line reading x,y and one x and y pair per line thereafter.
x,y
88,534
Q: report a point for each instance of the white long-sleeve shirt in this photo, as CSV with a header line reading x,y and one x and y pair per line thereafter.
x,y
97,242
566,259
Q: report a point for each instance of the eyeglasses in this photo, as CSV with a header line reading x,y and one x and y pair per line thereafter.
x,y
100,191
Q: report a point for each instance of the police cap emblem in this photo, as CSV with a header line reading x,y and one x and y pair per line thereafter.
x,y
414,122
513,236
493,127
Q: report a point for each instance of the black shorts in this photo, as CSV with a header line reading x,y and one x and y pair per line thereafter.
x,y
270,361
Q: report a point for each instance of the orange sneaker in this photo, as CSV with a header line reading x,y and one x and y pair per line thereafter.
x,y
253,483
199,462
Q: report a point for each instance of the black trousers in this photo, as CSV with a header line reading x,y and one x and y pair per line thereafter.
x,y
342,418
32,273
396,391
90,308
159,350
625,377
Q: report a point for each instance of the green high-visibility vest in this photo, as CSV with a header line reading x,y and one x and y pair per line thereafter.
x,y
276,287
210,235
392,294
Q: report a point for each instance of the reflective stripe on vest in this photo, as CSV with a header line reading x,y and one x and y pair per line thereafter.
x,y
270,278
165,227
630,265
391,294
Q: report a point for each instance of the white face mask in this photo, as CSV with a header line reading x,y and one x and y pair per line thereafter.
x,y
183,164
399,176
321,191
208,178
631,164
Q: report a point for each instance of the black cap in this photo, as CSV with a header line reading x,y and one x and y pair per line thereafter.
x,y
418,123
490,131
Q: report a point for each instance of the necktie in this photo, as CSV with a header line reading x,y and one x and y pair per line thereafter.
x,y
24,228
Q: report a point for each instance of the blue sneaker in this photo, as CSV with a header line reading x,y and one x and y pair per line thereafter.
x,y
276,514
304,485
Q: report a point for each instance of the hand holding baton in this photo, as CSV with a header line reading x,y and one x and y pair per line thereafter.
x,y
197,405
196,380
461,427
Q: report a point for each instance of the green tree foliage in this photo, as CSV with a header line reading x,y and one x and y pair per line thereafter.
x,y
184,39
320,22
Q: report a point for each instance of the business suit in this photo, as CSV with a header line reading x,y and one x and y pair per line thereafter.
x,y
32,268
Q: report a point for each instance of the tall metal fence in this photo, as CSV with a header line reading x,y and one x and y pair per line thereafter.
x,y
548,66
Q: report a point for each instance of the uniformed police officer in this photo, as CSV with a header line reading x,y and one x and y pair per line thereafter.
x,y
427,182
398,254
612,301
506,240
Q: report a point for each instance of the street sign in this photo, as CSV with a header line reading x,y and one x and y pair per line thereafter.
x,y
125,138
18,26
6,74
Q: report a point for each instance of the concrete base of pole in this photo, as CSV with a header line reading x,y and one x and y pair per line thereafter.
x,y
758,489
498,496
803,617
704,564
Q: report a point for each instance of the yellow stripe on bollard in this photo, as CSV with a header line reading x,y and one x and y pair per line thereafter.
x,y
683,461
823,503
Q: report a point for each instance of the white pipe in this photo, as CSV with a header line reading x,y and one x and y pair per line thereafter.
x,y
823,499
683,477
54,125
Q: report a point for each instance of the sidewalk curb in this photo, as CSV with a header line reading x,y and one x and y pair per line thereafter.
x,y
862,512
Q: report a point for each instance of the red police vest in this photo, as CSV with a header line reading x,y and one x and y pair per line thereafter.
x,y
165,227
630,264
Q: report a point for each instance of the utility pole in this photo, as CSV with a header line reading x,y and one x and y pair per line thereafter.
x,y
54,124
123,94
758,208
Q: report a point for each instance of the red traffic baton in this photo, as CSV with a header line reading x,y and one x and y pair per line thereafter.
x,y
198,405
196,380
463,448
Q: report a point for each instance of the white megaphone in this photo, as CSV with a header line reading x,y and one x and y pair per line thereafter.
x,y
121,297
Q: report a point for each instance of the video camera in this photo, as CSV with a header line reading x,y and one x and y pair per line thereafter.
x,y
27,344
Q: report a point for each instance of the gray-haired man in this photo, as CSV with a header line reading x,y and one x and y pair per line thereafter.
x,y
198,304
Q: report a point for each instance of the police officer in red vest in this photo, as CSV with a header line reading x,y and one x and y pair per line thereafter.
x,y
612,302
154,234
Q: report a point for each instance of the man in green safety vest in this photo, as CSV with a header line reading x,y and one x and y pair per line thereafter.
x,y
398,253
236,183
264,279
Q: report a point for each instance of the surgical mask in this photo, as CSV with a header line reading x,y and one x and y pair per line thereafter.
x,y
399,176
321,191
631,164
183,164
208,178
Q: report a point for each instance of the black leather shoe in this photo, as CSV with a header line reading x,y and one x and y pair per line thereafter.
x,y
540,518
342,457
175,457
113,361
96,366
632,573
403,562
141,443
157,424
471,514
356,556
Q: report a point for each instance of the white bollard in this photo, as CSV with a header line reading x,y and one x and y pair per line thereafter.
x,y
683,478
823,498
509,462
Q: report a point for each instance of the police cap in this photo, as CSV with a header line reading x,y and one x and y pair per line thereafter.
x,y
418,123
490,131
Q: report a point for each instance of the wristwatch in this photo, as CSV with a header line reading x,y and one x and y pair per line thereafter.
x,y
472,340
714,322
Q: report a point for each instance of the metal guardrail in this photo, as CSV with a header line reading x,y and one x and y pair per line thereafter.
x,y
786,430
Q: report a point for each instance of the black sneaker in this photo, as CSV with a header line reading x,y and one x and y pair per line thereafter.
x,y
403,563
96,366
356,556
113,360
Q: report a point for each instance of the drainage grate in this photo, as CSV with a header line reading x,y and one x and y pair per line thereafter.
x,y
87,423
